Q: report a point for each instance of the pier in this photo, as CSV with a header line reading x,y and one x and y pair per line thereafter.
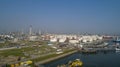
x,y
95,50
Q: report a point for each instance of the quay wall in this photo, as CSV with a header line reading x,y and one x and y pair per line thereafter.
x,y
55,58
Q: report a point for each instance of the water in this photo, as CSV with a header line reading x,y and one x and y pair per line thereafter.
x,y
101,59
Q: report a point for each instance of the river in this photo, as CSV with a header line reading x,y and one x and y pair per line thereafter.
x,y
101,59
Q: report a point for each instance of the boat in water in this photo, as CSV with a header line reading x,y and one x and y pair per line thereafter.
x,y
117,49
75,63
88,51
117,40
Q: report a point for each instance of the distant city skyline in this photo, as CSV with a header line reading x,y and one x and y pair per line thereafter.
x,y
61,16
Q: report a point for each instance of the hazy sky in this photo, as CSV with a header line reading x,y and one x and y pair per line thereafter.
x,y
72,16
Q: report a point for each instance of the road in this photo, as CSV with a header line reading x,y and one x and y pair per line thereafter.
x,y
12,47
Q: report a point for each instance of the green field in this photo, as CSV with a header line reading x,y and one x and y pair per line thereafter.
x,y
51,56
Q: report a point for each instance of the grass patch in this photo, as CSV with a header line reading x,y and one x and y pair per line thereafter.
x,y
19,52
14,52
50,56
43,58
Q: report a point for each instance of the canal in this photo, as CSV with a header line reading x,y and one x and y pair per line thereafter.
x,y
101,59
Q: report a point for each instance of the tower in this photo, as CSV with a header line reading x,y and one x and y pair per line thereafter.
x,y
30,30
22,32
39,32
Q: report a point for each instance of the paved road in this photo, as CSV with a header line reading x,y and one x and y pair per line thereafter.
x,y
12,48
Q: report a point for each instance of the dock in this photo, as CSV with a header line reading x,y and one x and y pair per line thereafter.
x,y
95,50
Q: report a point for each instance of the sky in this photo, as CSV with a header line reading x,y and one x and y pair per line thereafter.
x,y
61,16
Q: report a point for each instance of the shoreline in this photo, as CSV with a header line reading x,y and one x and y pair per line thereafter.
x,y
54,58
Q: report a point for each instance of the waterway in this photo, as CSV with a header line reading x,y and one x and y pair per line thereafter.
x,y
101,59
